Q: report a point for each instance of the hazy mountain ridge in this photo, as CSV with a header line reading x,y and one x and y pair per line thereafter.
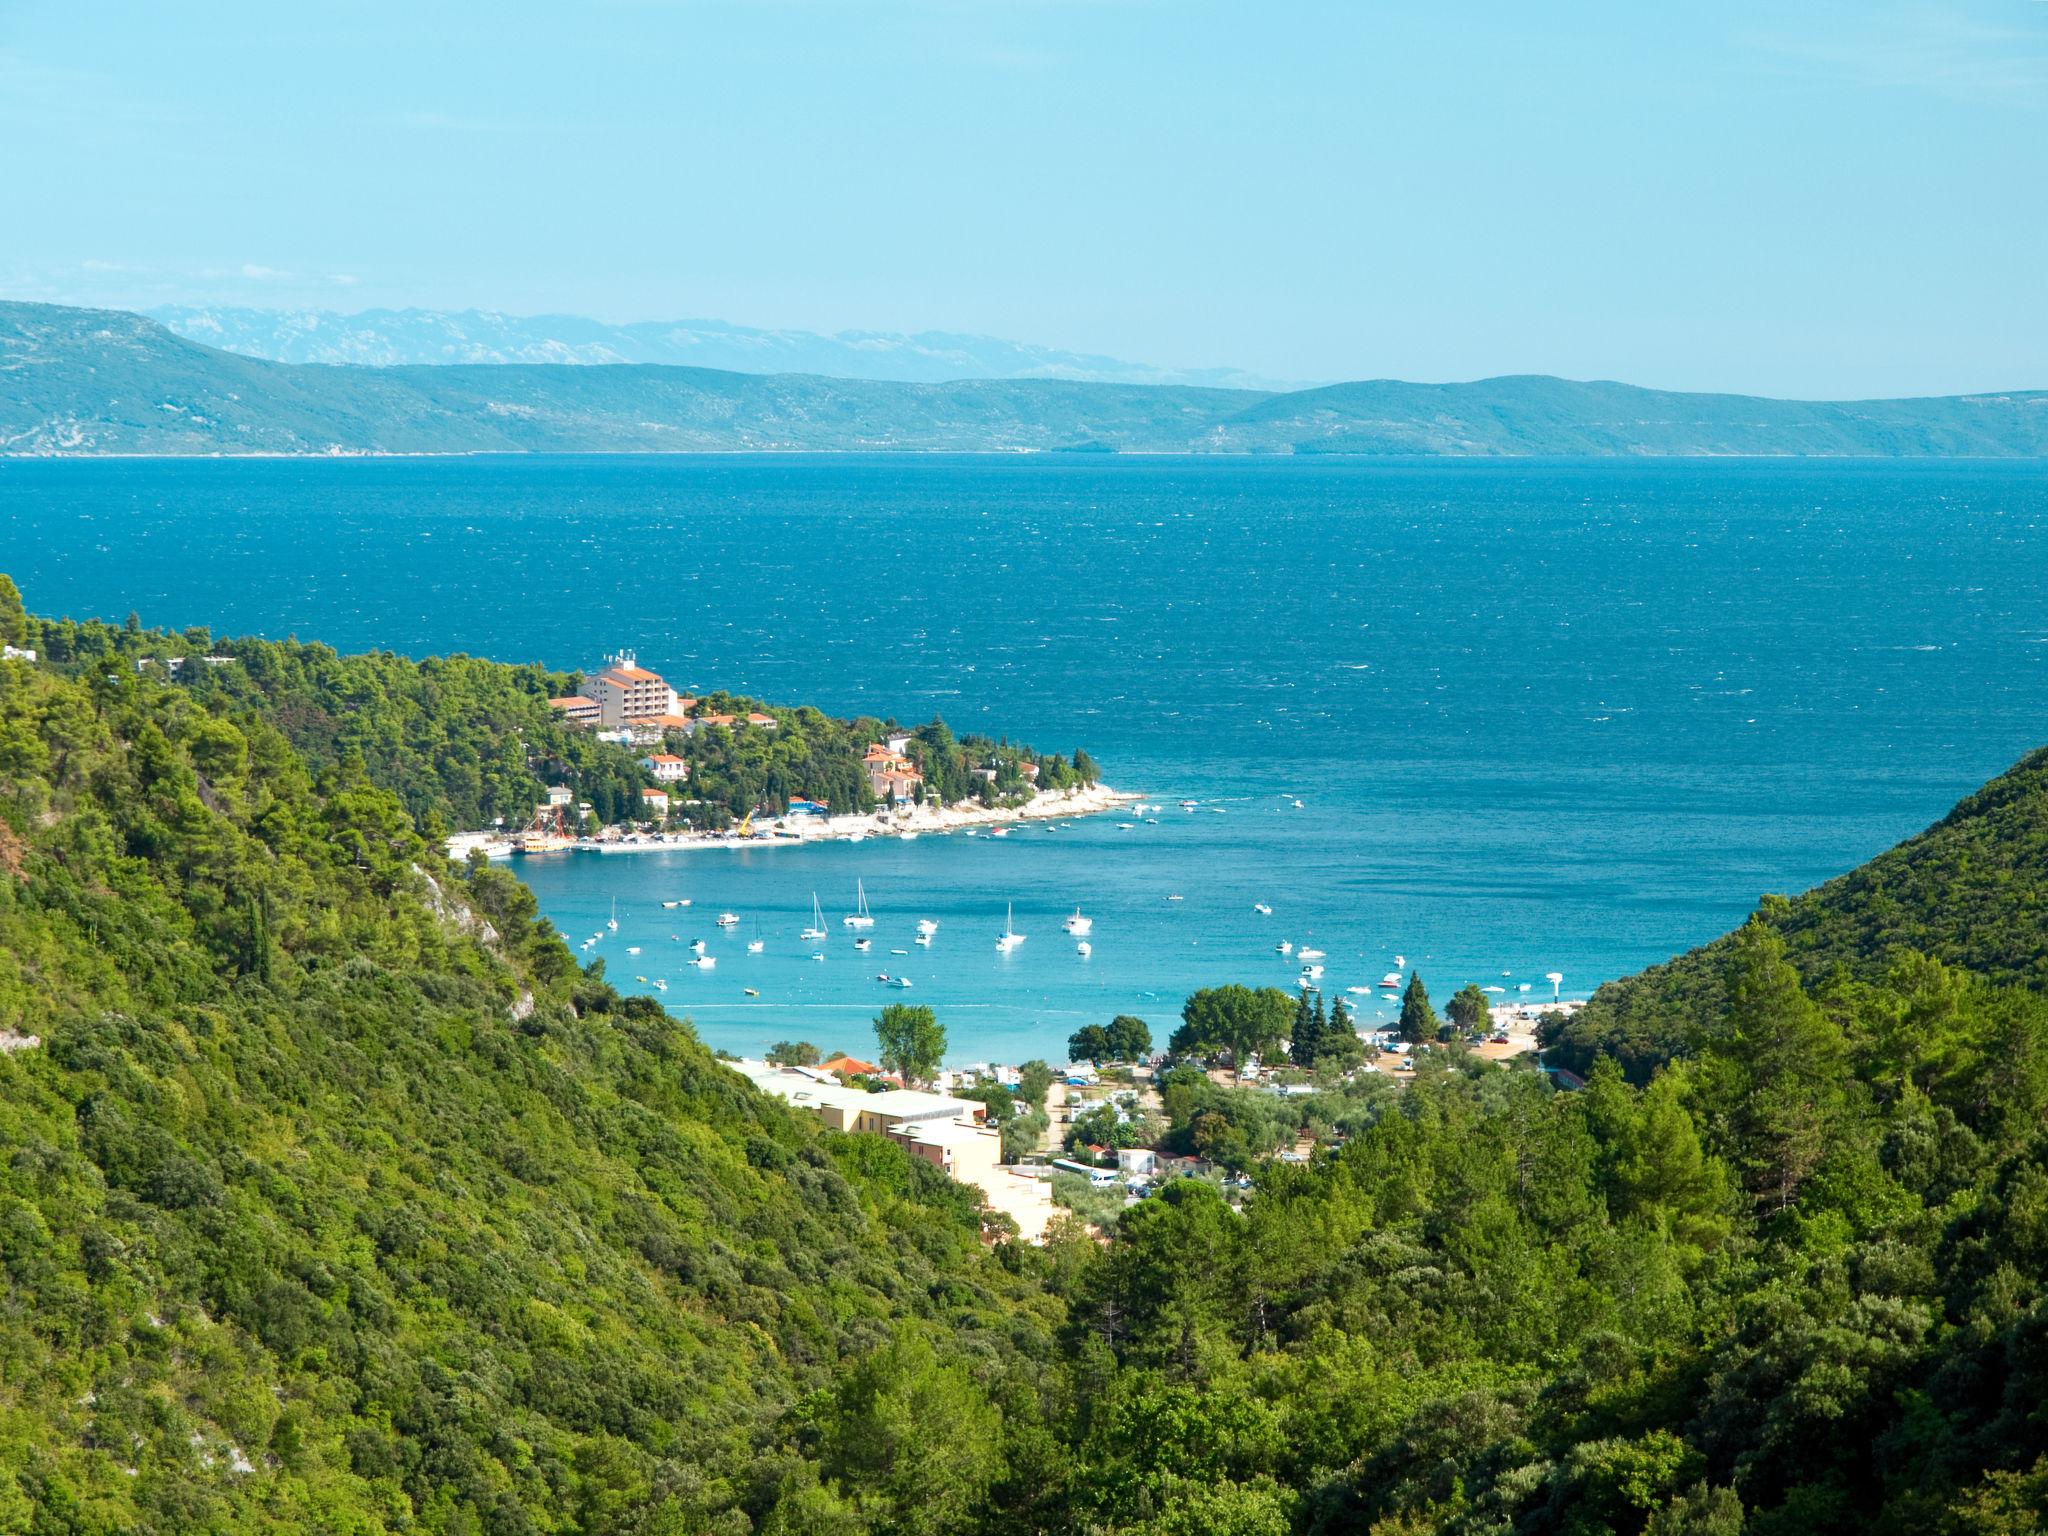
x,y
78,381
387,338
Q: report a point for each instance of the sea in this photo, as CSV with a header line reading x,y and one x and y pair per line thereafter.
x,y
1498,719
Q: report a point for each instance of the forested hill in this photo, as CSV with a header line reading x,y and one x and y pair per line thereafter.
x,y
337,1197
463,741
1971,891
78,381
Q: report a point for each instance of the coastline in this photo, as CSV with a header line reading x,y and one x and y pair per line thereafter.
x,y
794,831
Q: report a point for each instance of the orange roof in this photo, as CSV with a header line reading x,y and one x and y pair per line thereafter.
x,y
629,675
661,757
717,719
851,1065
572,701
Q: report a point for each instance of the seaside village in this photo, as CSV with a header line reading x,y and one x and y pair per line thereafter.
x,y
1082,1138
632,707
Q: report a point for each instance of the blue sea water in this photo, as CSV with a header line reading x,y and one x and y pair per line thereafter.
x,y
1569,716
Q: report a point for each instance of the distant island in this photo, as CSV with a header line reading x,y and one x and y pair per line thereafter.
x,y
85,382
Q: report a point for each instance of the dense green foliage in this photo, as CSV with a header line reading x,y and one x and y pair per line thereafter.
x,y
338,1197
912,1040
1972,891
734,769
465,742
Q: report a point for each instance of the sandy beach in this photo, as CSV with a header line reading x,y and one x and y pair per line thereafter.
x,y
911,820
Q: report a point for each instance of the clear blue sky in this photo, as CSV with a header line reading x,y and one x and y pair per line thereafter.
x,y
1788,198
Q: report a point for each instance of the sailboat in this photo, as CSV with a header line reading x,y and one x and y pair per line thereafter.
x,y
1009,938
756,944
817,929
861,917
614,923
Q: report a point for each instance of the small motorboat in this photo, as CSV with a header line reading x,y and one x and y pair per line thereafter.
x,y
728,920
755,946
1077,925
671,905
999,832
901,981
1175,897
923,941
705,962
926,927
817,954
863,944
751,992
1084,949
1284,947
1312,972
1310,954
899,951
1391,981
1262,909
697,946
632,949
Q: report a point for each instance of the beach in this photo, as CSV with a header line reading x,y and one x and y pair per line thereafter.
x,y
905,820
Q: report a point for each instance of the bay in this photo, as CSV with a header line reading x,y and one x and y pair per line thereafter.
x,y
1570,715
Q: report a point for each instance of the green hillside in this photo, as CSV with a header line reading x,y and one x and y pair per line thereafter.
x,y
1971,890
337,1197
78,381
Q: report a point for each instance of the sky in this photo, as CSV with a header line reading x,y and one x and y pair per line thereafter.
x,y
1789,198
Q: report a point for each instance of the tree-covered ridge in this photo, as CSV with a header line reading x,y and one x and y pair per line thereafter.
x,y
337,1197
1971,890
463,741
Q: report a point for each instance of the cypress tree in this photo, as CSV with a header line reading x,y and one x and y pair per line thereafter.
x,y
1418,1019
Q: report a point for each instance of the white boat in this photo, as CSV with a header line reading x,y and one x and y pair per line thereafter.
x,y
684,902
1299,806
908,837
705,962
1084,949
1391,981
1284,947
1400,962
1312,972
660,985
1187,805
728,920
1310,954
697,946
632,949
817,929
860,917
1175,897
899,951
1126,826
1262,909
901,981
1000,832
614,923
752,992
1009,938
1359,991
755,946
671,904
923,941
1077,925
927,926
863,944
817,954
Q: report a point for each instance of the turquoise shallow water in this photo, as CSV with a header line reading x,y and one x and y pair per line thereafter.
x,y
1551,715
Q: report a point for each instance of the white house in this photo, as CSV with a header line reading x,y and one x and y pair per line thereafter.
x,y
666,767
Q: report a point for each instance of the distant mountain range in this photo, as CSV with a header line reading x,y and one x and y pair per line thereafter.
x,y
83,381
388,338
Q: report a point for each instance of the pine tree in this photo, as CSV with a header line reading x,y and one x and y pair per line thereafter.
x,y
1418,1019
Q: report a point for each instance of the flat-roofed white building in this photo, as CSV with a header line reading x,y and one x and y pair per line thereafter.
x,y
626,691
